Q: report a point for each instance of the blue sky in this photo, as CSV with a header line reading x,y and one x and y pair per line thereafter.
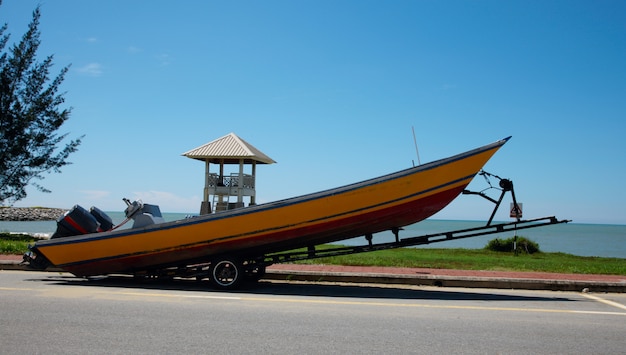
x,y
331,90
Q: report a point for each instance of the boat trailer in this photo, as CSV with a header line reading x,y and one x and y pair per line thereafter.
x,y
226,275
312,253
506,185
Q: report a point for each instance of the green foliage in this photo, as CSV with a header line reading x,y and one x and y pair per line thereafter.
x,y
9,247
507,245
29,116
480,259
15,243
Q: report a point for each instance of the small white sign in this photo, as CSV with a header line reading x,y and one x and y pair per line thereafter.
x,y
516,211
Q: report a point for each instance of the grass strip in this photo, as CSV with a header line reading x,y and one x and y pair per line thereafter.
x,y
479,259
15,243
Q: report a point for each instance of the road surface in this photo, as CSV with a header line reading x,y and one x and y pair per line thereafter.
x,y
61,314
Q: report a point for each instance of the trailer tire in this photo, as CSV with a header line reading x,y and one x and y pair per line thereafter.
x,y
226,273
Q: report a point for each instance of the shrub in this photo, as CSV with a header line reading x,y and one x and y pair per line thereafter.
x,y
506,245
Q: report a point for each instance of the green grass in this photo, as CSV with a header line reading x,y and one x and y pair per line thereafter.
x,y
480,259
15,243
464,259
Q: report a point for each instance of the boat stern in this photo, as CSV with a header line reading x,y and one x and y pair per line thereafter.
x,y
35,259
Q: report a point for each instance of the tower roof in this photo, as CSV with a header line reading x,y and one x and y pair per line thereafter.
x,y
229,149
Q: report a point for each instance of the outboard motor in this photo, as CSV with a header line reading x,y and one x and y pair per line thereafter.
x,y
74,222
79,221
106,223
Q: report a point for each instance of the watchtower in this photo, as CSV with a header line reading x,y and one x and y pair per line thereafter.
x,y
227,188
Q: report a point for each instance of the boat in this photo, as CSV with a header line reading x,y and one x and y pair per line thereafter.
x,y
237,237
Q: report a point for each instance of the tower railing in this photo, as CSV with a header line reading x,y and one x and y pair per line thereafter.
x,y
232,180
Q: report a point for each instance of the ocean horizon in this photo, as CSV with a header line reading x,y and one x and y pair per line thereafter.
x,y
601,240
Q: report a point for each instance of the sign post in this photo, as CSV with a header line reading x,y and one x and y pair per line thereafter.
x,y
516,212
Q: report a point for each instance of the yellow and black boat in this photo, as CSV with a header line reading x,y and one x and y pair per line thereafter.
x,y
232,239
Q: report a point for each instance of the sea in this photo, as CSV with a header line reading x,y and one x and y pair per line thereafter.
x,y
602,240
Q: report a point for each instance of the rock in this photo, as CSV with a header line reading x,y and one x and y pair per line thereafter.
x,y
30,213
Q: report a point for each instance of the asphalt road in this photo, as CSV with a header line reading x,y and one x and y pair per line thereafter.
x,y
60,314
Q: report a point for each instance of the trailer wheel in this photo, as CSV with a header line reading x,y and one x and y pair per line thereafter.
x,y
226,273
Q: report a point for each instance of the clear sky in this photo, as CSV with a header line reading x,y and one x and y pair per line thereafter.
x,y
331,90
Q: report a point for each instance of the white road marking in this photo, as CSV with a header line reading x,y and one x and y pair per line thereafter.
x,y
178,296
602,300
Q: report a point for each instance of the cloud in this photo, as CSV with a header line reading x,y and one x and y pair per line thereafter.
x,y
134,50
95,195
164,59
169,202
91,69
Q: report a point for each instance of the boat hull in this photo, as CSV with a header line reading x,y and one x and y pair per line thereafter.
x,y
371,206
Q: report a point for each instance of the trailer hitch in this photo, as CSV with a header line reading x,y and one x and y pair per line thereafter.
x,y
506,185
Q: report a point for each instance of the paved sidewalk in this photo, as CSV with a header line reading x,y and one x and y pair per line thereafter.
x,y
423,276
450,278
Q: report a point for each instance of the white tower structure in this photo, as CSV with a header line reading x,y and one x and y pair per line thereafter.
x,y
226,189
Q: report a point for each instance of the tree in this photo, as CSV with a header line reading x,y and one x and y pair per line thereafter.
x,y
30,116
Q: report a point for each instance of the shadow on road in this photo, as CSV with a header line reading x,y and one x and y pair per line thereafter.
x,y
364,291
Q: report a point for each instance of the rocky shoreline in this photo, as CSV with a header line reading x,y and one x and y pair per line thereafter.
x,y
30,213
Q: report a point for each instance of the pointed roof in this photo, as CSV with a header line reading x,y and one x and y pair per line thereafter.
x,y
230,149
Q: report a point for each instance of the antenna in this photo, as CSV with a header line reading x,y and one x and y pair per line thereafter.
x,y
416,150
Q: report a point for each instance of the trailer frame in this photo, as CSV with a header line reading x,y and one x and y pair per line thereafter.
x,y
312,253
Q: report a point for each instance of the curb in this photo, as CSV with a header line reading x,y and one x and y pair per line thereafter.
x,y
18,266
415,280
449,281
